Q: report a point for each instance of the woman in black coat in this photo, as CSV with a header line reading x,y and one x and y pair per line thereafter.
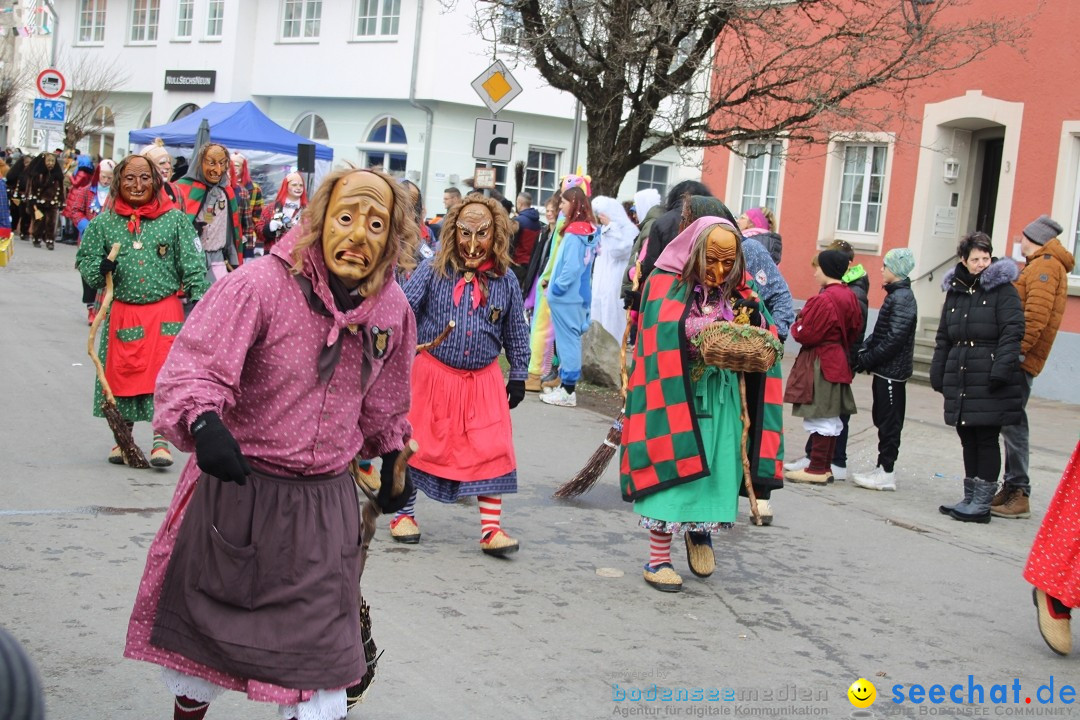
x,y
977,366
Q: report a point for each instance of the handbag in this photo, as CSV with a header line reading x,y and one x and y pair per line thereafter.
x,y
7,248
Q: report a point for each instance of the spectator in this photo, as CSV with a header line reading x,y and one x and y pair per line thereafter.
x,y
819,386
617,235
760,223
668,225
976,366
524,240
888,354
1043,286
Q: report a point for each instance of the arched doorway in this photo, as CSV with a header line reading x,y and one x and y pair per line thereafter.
x,y
183,111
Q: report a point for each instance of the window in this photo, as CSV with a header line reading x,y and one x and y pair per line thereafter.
x,y
377,17
510,27
652,175
500,176
215,18
144,20
312,127
1074,231
541,174
184,110
301,19
862,189
185,16
146,119
92,21
761,175
387,147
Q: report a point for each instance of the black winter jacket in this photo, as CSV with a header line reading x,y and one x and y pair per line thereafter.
x,y
978,342
861,287
889,349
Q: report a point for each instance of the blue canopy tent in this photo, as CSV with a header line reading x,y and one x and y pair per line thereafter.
x,y
269,148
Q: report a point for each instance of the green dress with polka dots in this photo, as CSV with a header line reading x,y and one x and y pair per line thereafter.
x,y
151,266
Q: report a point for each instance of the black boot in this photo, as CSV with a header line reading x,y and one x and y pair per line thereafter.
x,y
978,510
969,486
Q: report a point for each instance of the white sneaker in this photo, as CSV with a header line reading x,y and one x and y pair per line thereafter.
x,y
800,464
839,473
560,397
878,479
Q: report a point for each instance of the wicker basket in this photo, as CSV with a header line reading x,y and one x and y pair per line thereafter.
x,y
742,348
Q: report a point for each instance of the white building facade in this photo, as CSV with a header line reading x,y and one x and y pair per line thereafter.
x,y
383,82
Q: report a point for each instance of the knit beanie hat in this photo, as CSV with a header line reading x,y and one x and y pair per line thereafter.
x,y
833,263
900,262
20,690
1042,230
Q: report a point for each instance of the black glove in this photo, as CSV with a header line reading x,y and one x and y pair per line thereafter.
x,y
216,451
515,390
631,300
386,500
753,309
996,385
106,266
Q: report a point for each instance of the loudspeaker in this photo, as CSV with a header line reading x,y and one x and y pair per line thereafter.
x,y
305,157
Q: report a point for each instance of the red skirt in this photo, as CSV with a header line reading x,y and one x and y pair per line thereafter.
x,y
140,337
1054,562
461,420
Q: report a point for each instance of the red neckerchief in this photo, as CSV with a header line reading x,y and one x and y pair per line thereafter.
x,y
151,211
479,296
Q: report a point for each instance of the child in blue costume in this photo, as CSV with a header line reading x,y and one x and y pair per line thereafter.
x,y
569,292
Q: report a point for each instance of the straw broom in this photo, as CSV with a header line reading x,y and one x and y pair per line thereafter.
x,y
133,456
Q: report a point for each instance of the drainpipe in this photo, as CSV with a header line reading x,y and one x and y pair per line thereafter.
x,y
55,31
420,106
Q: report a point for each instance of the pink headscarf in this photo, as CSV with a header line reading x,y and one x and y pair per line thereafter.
x,y
674,257
758,218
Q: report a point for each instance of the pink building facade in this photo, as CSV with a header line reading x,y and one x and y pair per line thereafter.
x,y
994,145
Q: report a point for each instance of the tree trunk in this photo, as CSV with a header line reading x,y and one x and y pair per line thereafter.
x,y
607,162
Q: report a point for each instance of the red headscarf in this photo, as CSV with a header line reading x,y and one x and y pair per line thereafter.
x,y
154,209
283,191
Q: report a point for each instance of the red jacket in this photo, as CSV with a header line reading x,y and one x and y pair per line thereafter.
x,y
826,327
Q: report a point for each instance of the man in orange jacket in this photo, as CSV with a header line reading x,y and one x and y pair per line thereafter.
x,y
1043,285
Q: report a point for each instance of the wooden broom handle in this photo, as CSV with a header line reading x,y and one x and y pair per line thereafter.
x,y
438,339
106,301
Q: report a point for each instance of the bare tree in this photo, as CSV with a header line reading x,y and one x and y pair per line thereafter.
x,y
14,79
654,74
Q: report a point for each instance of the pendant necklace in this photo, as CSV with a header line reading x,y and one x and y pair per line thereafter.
x,y
138,242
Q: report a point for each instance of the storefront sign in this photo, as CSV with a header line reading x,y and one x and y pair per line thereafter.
x,y
191,80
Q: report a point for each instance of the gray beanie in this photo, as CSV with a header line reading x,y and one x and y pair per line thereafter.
x,y
20,690
1043,230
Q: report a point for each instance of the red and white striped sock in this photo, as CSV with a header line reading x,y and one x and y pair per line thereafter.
x,y
659,548
490,512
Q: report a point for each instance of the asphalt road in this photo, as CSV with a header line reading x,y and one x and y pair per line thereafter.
x,y
847,583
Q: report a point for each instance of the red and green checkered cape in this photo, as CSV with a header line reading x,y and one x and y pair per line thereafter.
x,y
661,441
191,194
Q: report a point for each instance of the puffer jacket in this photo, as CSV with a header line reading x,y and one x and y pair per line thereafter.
x,y
889,350
978,340
1043,287
857,279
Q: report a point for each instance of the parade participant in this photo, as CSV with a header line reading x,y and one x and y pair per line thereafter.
x,y
160,158
83,205
45,197
427,244
681,461
460,406
819,386
251,582
279,216
1052,565
16,178
158,253
617,235
569,292
207,197
249,199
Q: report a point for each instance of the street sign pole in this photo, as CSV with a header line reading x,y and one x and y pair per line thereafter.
x,y
487,163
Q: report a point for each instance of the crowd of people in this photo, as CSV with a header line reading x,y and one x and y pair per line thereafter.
x,y
365,326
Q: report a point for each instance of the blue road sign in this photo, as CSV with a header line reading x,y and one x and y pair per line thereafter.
x,y
49,111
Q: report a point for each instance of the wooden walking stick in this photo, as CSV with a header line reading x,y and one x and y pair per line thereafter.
x,y
133,455
438,338
747,480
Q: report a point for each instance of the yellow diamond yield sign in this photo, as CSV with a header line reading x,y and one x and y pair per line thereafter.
x,y
496,86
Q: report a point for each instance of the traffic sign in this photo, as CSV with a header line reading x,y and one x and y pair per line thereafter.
x,y
51,83
493,139
49,112
496,86
484,179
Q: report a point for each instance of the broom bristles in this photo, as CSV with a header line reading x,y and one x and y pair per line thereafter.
x,y
133,455
587,476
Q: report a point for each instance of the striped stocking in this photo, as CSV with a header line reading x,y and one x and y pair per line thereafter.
x,y
490,512
410,507
188,709
659,548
